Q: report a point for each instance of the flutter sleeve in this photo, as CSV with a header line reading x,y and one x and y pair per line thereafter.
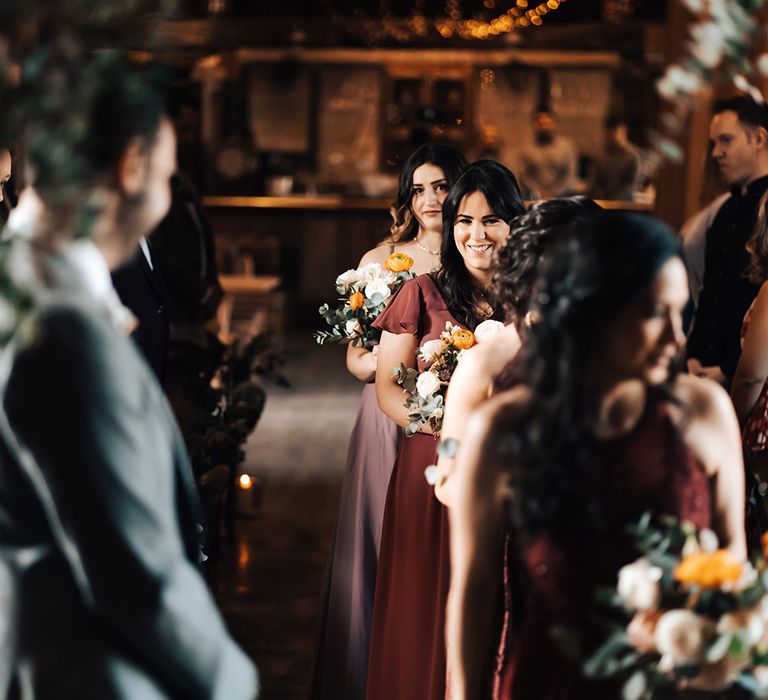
x,y
405,311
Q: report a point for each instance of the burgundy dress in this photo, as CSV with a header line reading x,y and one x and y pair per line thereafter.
x,y
407,657
649,469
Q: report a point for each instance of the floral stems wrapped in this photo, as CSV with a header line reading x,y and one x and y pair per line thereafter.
x,y
363,295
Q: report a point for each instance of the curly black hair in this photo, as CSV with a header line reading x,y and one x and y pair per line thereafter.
x,y
529,236
586,278
499,187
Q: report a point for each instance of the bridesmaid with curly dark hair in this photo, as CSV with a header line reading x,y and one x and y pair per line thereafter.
x,y
603,430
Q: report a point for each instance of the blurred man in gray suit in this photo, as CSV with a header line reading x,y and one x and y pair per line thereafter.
x,y
99,515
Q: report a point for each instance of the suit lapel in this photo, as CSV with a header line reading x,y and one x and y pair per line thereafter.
x,y
152,276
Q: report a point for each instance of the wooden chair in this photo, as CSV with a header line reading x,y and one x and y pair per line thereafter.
x,y
251,304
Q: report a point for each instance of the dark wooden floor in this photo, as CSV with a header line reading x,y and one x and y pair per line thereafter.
x,y
269,584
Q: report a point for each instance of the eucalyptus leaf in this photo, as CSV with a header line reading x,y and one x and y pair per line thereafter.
x,y
635,686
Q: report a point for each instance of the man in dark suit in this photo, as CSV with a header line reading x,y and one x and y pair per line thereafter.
x,y
140,287
100,591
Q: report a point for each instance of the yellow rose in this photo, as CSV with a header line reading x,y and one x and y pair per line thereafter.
x,y
356,300
398,262
462,339
708,570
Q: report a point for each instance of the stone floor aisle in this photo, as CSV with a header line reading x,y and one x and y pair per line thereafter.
x,y
268,585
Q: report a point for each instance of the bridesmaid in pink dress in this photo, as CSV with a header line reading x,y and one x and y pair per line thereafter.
x,y
342,657
602,431
407,658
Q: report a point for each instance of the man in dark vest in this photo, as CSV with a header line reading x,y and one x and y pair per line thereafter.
x,y
739,137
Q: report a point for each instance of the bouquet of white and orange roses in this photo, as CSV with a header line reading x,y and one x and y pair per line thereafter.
x,y
363,293
697,617
427,389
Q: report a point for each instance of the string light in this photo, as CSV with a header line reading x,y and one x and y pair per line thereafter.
x,y
452,23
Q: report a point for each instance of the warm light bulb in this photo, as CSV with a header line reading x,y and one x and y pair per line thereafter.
x,y
245,481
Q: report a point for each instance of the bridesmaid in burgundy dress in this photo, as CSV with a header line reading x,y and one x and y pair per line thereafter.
x,y
341,662
603,431
494,365
407,657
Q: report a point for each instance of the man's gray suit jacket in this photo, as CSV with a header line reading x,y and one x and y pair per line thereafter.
x,y
99,535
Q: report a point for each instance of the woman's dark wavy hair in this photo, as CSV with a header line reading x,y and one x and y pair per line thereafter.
x,y
404,226
499,186
586,278
757,246
529,237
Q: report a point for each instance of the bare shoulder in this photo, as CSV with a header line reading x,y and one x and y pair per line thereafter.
x,y
504,410
705,399
375,255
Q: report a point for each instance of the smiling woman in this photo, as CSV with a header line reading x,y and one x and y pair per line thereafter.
x,y
478,233
407,655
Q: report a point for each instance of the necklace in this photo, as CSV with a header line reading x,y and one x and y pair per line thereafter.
x,y
425,249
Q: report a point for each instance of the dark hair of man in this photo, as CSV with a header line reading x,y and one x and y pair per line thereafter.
x,y
405,227
586,278
613,121
750,113
121,111
529,236
499,187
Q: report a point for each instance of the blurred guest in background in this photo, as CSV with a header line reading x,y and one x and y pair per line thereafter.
x,y
739,134
548,165
616,171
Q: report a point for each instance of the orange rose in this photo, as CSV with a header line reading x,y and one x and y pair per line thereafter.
x,y
764,542
398,262
356,300
708,570
462,338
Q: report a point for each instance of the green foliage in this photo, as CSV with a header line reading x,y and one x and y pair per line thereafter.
x,y
233,398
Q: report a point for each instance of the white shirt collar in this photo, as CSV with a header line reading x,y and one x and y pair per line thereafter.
x,y
86,260
145,249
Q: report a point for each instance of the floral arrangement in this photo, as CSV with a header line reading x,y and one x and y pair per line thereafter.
x,y
363,295
427,389
698,617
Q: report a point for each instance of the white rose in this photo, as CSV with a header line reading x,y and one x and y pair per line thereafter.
x,y
708,541
427,384
7,316
345,279
680,636
761,675
748,578
487,329
751,622
428,351
639,585
762,66
377,287
368,273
